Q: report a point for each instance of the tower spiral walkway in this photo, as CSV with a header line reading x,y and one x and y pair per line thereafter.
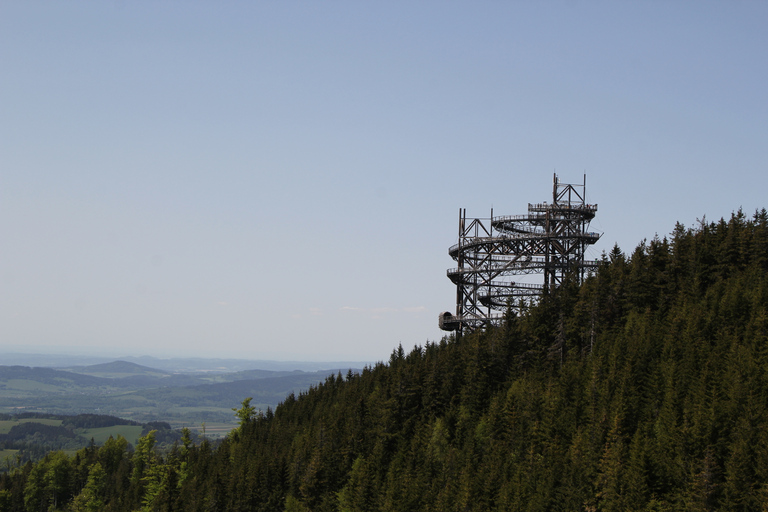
x,y
550,240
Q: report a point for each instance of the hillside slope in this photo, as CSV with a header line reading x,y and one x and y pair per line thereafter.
x,y
645,388
117,369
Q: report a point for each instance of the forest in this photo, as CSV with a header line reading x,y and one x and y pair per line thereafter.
x,y
643,388
29,436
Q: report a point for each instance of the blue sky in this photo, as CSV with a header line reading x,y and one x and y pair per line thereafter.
x,y
281,180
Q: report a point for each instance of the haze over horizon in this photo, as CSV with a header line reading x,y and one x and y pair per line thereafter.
x,y
282,180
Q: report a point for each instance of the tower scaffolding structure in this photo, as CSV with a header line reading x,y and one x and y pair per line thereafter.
x,y
550,240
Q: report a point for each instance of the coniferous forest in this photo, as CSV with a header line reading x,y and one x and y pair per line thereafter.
x,y
644,388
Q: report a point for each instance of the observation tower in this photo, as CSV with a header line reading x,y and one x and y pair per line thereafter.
x,y
550,241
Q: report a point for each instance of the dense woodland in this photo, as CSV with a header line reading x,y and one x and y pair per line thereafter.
x,y
644,388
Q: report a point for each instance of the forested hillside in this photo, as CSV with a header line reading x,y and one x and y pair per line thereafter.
x,y
645,388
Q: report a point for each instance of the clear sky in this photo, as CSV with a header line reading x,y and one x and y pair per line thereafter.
x,y
281,180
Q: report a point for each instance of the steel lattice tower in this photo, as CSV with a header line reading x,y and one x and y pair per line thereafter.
x,y
550,240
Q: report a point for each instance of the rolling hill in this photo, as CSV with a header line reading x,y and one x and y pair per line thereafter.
x,y
141,393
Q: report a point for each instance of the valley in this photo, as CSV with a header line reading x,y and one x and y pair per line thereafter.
x,y
204,394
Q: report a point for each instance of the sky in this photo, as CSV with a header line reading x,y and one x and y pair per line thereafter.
x,y
282,180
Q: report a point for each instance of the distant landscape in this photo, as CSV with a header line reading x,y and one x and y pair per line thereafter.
x,y
182,392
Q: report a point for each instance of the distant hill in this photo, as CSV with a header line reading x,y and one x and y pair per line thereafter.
x,y
190,365
24,378
266,391
117,369
212,365
141,393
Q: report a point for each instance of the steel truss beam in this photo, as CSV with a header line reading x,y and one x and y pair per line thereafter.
x,y
550,240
